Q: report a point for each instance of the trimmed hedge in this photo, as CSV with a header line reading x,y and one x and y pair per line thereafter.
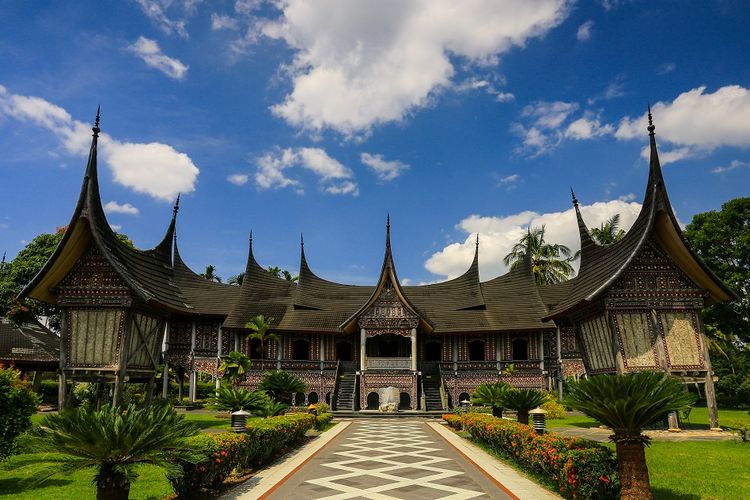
x,y
229,452
578,467
322,420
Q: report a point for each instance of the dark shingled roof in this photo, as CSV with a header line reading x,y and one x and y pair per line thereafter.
x,y
28,345
208,298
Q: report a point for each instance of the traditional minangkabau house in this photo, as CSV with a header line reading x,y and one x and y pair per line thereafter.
x,y
634,305
29,347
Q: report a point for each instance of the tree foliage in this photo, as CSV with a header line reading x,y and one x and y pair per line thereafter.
x,y
491,395
18,403
234,366
722,239
282,273
608,232
259,328
522,401
210,274
549,262
232,399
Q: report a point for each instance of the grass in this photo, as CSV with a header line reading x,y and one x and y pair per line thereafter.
x,y
699,469
19,483
698,419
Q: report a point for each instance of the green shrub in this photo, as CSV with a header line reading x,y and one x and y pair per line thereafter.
x,y
227,452
555,411
322,420
231,399
280,385
323,408
579,468
18,403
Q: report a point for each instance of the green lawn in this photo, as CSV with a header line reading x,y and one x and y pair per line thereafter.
x,y
698,419
19,483
699,469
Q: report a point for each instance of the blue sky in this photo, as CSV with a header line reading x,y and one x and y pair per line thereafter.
x,y
320,117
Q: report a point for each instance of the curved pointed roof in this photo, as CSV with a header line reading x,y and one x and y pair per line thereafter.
x,y
260,293
148,273
605,264
387,276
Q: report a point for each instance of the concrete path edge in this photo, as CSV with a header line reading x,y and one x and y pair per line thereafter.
x,y
266,480
520,486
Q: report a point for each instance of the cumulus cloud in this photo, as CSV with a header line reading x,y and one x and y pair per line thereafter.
x,y
696,122
488,85
587,127
584,31
665,68
155,169
238,179
498,234
358,64
149,51
384,170
112,207
169,15
510,179
540,124
333,176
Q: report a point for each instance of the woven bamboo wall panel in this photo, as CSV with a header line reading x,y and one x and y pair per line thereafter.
x,y
682,339
93,336
636,339
597,340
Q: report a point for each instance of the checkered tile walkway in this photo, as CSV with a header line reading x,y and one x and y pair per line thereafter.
x,y
388,460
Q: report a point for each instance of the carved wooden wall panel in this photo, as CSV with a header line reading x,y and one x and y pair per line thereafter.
x,y
597,343
636,339
682,342
388,315
93,336
93,282
145,340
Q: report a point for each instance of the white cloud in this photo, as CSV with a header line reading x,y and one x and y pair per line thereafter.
x,y
541,133
149,51
733,165
223,22
358,64
156,10
238,179
112,207
665,68
587,127
498,234
504,97
510,179
584,31
384,170
333,176
627,197
697,122
155,169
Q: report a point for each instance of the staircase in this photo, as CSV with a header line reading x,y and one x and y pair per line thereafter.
x,y
431,383
346,385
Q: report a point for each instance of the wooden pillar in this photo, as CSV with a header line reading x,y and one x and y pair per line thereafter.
x,y
454,352
165,382
62,379
414,350
498,353
560,365
713,411
193,379
180,386
362,349
322,350
120,375
279,351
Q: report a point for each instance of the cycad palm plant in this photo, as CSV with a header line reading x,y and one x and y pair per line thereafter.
x,y
281,385
234,366
113,441
231,399
491,395
259,327
628,403
522,401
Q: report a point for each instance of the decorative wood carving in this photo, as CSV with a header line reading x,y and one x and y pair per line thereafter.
x,y
388,315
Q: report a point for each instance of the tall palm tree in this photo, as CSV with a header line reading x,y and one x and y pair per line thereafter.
x,y
550,262
259,327
113,441
491,395
289,276
234,366
237,279
628,403
275,270
608,232
210,274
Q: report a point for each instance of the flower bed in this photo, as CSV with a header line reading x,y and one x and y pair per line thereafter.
x,y
228,452
578,467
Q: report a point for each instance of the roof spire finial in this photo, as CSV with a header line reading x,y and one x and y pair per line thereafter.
x,y
651,127
477,244
302,240
176,207
251,237
573,195
96,122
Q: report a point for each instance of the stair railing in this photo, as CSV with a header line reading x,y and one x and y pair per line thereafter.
x,y
443,393
335,396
